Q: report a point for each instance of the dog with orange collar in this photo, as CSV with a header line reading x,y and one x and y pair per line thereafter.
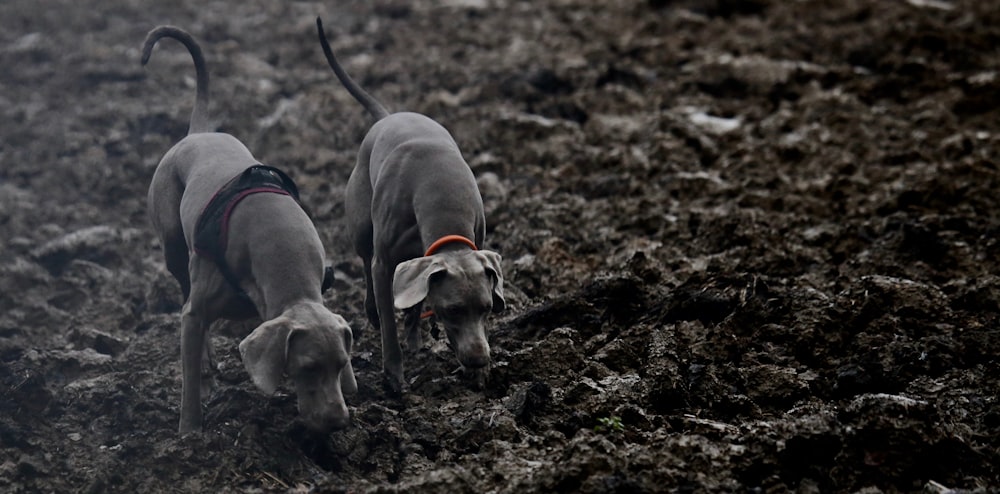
x,y
416,218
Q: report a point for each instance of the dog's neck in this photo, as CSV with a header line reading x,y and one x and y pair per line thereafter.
x,y
277,309
274,299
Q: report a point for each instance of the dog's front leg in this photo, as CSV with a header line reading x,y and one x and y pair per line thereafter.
x,y
411,324
208,366
192,338
392,355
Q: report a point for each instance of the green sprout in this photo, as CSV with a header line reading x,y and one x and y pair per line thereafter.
x,y
609,424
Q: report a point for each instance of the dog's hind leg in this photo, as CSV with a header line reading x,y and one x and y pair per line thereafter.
x,y
193,329
163,204
176,254
196,318
371,308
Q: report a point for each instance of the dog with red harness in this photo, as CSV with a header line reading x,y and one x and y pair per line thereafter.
x,y
255,253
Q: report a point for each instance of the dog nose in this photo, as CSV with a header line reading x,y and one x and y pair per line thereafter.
x,y
338,423
475,359
328,422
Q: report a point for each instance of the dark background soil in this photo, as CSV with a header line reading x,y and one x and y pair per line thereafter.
x,y
748,245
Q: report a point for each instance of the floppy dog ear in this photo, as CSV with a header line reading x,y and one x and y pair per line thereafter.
x,y
348,384
264,353
411,281
491,261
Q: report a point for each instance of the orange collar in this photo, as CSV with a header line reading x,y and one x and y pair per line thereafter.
x,y
447,239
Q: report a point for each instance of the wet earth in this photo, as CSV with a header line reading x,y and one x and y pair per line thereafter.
x,y
749,246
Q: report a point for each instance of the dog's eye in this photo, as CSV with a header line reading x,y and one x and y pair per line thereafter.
x,y
310,369
448,312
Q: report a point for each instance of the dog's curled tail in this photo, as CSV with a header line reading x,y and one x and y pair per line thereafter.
x,y
370,103
199,115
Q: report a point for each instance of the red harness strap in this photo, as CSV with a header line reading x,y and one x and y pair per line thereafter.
x,y
447,239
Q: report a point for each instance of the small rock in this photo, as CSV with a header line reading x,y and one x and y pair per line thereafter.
x,y
28,42
712,124
931,4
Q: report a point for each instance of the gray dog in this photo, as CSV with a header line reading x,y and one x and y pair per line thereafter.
x,y
416,219
263,258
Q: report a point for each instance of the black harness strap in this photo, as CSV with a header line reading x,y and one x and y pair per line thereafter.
x,y
212,228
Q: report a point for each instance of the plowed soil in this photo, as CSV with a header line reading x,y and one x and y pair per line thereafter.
x,y
748,246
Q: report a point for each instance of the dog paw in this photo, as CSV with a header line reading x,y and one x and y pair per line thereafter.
x,y
393,385
208,386
414,345
188,426
481,378
478,379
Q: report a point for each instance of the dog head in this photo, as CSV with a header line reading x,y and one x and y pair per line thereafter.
x,y
312,346
462,287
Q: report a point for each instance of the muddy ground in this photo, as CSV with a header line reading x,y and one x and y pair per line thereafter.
x,y
748,245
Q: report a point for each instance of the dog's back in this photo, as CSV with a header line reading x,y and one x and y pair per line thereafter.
x,y
411,155
401,139
201,164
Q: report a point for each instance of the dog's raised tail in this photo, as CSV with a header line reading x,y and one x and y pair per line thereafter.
x,y
199,115
370,103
